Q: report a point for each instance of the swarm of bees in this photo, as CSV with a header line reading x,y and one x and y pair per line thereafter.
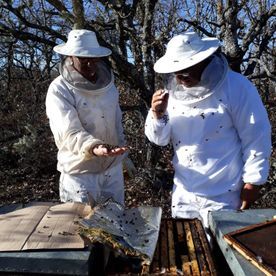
x,y
116,243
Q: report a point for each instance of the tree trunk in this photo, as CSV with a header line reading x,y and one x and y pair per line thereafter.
x,y
79,21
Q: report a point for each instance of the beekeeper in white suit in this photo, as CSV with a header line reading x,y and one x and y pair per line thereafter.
x,y
218,127
82,105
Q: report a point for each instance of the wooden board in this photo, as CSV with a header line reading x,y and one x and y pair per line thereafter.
x,y
17,226
58,229
257,243
42,226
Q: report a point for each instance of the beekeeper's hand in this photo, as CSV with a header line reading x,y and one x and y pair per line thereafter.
x,y
129,167
249,194
159,103
107,150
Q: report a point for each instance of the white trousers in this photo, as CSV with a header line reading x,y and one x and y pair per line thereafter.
x,y
100,186
188,205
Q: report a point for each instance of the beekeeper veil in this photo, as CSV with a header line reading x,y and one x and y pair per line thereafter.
x,y
84,44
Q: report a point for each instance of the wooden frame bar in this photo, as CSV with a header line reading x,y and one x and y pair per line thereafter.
x,y
246,250
182,248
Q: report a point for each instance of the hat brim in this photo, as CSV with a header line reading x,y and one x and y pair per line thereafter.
x,y
100,51
167,64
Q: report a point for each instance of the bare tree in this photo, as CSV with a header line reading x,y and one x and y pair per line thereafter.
x,y
137,32
78,10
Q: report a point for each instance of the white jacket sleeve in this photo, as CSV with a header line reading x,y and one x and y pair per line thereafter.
x,y
252,124
158,131
65,124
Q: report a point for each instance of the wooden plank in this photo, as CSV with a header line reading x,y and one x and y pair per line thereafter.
x,y
199,250
164,248
191,249
206,247
172,267
58,229
17,226
180,231
155,265
185,262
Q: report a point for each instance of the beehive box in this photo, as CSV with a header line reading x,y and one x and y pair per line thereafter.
x,y
182,249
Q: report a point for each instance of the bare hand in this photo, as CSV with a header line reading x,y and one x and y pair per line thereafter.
x,y
249,194
159,103
108,150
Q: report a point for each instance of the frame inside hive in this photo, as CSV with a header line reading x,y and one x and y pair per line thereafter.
x,y
182,249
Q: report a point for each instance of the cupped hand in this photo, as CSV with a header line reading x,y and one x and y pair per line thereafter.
x,y
108,150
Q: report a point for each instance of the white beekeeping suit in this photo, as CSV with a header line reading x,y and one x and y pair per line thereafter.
x,y
84,114
218,127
